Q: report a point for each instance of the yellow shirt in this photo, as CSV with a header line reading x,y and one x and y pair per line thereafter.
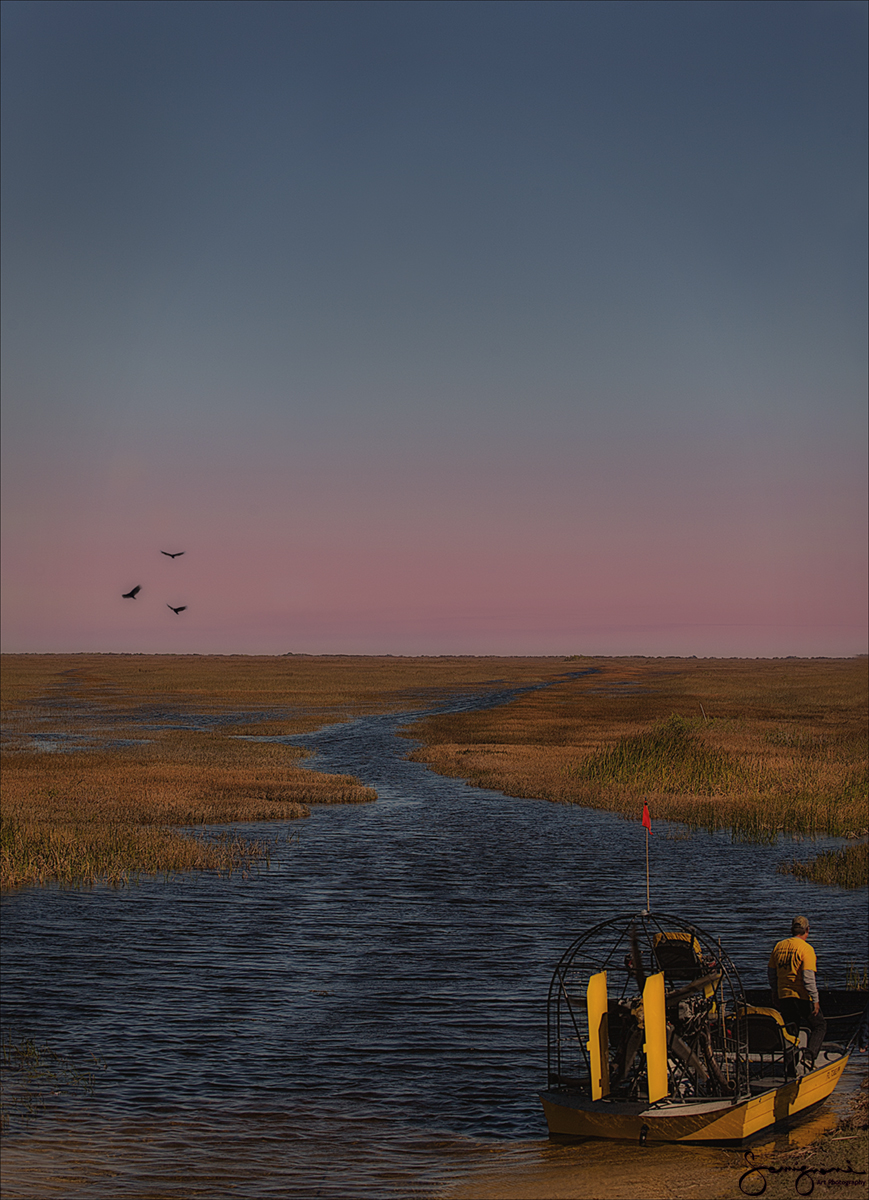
x,y
789,959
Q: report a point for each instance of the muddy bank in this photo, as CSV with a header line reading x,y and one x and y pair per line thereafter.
x,y
546,1171
827,1156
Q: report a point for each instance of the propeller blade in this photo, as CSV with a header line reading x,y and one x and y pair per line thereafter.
x,y
696,985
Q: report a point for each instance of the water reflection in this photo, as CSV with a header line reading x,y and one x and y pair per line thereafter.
x,y
366,1017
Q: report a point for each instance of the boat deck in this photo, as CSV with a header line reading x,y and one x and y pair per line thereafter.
x,y
762,1077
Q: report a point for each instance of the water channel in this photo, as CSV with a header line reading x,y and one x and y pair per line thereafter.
x,y
366,1016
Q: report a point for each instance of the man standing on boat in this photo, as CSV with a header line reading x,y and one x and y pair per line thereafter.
x,y
791,974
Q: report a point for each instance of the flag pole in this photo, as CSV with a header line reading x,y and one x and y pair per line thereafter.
x,y
648,904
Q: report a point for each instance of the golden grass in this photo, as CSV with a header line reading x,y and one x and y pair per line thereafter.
x,y
846,867
312,689
764,746
111,814
760,746
77,817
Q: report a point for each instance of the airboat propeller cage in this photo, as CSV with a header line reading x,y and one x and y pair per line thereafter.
x,y
647,1006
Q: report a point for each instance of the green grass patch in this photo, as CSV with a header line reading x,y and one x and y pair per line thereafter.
x,y
670,758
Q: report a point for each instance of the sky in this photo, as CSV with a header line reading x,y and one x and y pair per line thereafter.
x,y
435,328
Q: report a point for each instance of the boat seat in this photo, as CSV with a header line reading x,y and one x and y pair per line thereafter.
x,y
770,1039
679,956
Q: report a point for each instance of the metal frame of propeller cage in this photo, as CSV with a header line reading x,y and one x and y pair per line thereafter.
x,y
707,1039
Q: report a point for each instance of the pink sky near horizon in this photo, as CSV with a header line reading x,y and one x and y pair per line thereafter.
x,y
578,561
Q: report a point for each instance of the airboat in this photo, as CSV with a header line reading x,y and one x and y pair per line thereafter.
x,y
652,1037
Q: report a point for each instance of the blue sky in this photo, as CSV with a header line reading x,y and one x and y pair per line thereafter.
x,y
435,327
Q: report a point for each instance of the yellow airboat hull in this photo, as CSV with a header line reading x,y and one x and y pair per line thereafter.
x,y
572,1115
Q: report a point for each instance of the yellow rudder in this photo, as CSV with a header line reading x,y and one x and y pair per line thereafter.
x,y
598,1031
655,1020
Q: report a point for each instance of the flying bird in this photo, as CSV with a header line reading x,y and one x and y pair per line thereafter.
x,y
177,553
132,595
177,610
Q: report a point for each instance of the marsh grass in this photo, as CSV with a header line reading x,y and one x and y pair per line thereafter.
x,y
29,1072
76,853
84,816
857,978
753,747
669,757
115,814
847,867
311,690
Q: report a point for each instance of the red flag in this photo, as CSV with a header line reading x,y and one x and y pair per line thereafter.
x,y
647,820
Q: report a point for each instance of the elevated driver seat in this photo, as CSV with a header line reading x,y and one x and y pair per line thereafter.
x,y
774,1043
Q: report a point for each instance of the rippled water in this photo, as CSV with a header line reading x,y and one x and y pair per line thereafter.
x,y
366,1017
